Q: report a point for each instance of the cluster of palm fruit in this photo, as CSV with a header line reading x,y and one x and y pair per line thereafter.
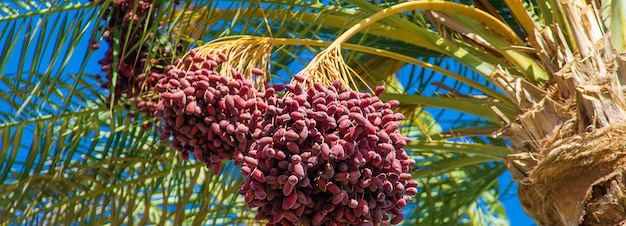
x,y
132,78
328,155
207,114
322,155
317,155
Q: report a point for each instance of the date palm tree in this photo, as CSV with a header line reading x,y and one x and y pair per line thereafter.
x,y
532,86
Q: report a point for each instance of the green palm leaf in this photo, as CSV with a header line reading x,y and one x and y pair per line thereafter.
x,y
64,150
67,158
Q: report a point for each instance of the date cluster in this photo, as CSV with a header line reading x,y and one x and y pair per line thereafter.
x,y
319,155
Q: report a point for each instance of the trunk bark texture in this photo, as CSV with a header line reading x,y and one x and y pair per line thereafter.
x,y
570,138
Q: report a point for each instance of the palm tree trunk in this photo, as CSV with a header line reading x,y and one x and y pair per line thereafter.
x,y
579,180
570,153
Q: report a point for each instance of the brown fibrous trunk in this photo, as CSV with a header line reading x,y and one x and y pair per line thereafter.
x,y
569,140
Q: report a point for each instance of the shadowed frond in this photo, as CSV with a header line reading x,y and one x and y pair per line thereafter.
x,y
452,174
69,156
66,157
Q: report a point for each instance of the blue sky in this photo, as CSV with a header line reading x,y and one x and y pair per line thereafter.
x,y
513,209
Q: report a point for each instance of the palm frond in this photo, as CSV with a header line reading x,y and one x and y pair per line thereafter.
x,y
67,157
87,154
452,174
14,9
446,197
488,210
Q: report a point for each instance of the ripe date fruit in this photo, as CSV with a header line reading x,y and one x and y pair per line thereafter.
x,y
324,146
207,107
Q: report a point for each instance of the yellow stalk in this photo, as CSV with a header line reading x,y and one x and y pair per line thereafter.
x,y
337,21
528,67
396,56
384,53
328,65
482,63
522,16
493,23
525,64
